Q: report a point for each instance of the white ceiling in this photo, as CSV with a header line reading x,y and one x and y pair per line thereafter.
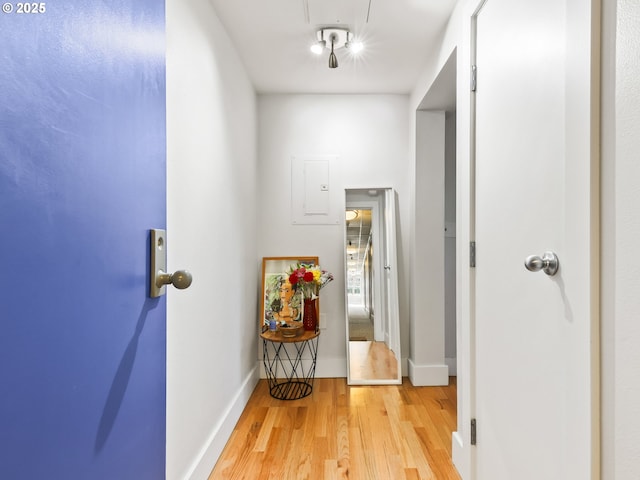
x,y
273,39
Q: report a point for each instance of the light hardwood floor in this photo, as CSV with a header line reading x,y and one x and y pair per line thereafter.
x,y
372,361
385,432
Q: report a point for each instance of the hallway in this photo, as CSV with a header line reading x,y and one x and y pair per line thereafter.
x,y
360,325
122,117
359,432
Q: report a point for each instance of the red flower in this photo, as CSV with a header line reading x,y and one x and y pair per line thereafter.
x,y
308,277
293,278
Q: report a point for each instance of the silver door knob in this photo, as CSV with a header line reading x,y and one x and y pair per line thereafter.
x,y
180,279
549,263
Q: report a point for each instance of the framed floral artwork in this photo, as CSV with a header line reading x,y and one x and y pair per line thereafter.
x,y
281,302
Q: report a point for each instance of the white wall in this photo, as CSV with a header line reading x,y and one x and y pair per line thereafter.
x,y
211,230
620,234
450,243
369,133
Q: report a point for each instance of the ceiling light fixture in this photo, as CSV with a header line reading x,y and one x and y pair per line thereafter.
x,y
338,38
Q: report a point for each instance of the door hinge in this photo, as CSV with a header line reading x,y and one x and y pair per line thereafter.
x,y
473,431
474,77
472,254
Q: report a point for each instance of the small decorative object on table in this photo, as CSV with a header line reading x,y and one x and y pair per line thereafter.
x,y
309,280
310,315
291,329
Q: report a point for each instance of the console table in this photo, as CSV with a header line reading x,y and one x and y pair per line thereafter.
x,y
288,377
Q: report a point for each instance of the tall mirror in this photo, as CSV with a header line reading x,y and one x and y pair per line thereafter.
x,y
371,297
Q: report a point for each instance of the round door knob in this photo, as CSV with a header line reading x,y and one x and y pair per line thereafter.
x,y
180,279
549,263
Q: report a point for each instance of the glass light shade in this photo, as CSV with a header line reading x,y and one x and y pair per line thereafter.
x,y
318,47
355,47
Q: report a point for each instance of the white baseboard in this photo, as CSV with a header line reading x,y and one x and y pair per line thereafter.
x,y
460,456
334,368
452,363
428,375
212,448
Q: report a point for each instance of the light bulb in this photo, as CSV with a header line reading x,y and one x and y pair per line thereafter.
x,y
318,47
355,47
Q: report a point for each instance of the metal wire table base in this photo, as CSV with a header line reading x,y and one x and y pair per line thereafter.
x,y
289,374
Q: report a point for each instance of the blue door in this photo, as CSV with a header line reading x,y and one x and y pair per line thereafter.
x,y
82,180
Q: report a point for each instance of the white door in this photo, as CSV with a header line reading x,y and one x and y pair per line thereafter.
x,y
391,273
536,341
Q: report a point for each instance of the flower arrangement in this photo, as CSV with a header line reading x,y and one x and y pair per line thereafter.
x,y
309,279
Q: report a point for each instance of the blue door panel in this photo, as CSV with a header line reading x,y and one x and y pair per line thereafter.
x,y
82,180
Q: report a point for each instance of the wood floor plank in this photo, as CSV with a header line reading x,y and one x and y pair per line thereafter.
x,y
342,443
265,432
344,432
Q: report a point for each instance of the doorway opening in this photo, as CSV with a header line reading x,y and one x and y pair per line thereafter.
x,y
434,336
